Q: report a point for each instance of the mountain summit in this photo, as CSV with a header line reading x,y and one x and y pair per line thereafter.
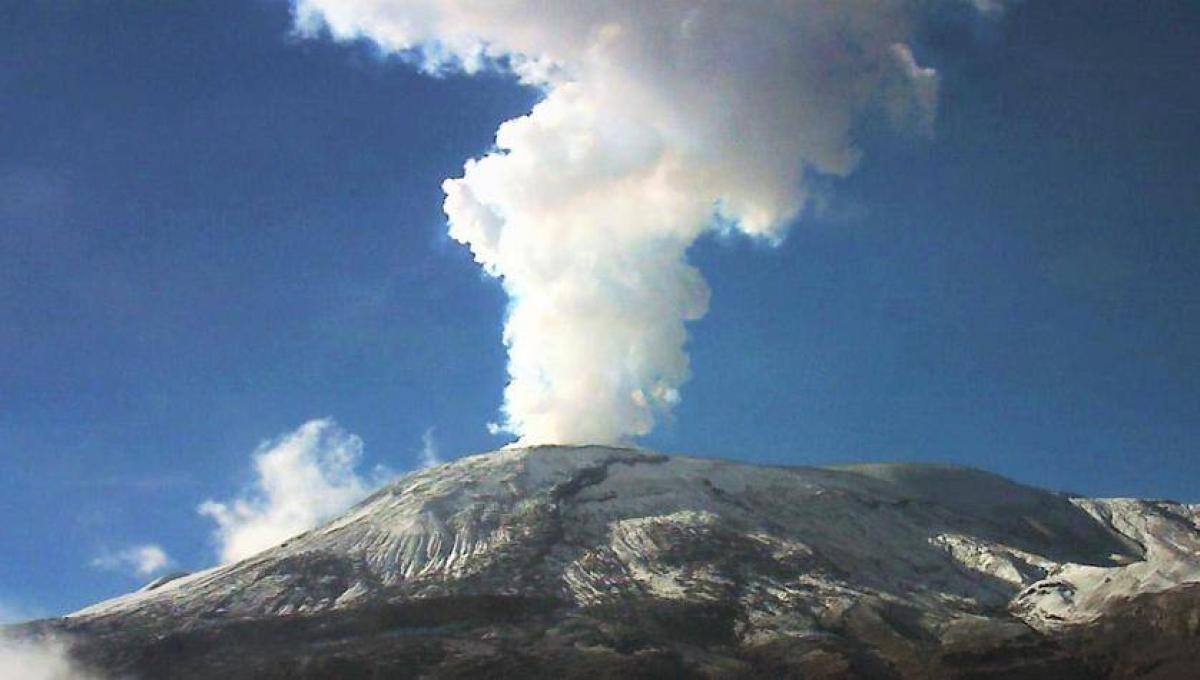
x,y
595,561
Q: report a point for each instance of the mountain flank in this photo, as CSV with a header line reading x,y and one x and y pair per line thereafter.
x,y
586,562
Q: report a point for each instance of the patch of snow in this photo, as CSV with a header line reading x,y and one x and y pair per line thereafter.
x,y
595,524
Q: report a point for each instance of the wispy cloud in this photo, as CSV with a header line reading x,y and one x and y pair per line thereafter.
x,y
39,659
302,478
138,560
430,455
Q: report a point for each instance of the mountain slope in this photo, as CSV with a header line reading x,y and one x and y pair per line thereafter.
x,y
585,561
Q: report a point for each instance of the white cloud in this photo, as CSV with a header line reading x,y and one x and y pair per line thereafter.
x,y
429,450
140,560
41,659
302,479
991,7
659,121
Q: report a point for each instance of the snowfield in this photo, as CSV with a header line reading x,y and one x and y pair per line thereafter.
x,y
893,555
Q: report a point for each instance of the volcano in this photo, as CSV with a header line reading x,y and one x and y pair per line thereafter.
x,y
592,562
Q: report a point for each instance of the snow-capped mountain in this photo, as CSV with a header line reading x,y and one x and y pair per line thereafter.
x,y
574,562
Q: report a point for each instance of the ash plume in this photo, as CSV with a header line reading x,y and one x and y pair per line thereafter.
x,y
659,122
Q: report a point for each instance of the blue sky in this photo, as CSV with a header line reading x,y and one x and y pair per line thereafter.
x,y
212,232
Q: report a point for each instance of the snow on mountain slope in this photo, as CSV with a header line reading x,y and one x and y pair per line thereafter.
x,y
789,545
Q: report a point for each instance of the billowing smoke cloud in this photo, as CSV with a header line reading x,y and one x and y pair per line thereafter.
x,y
660,121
